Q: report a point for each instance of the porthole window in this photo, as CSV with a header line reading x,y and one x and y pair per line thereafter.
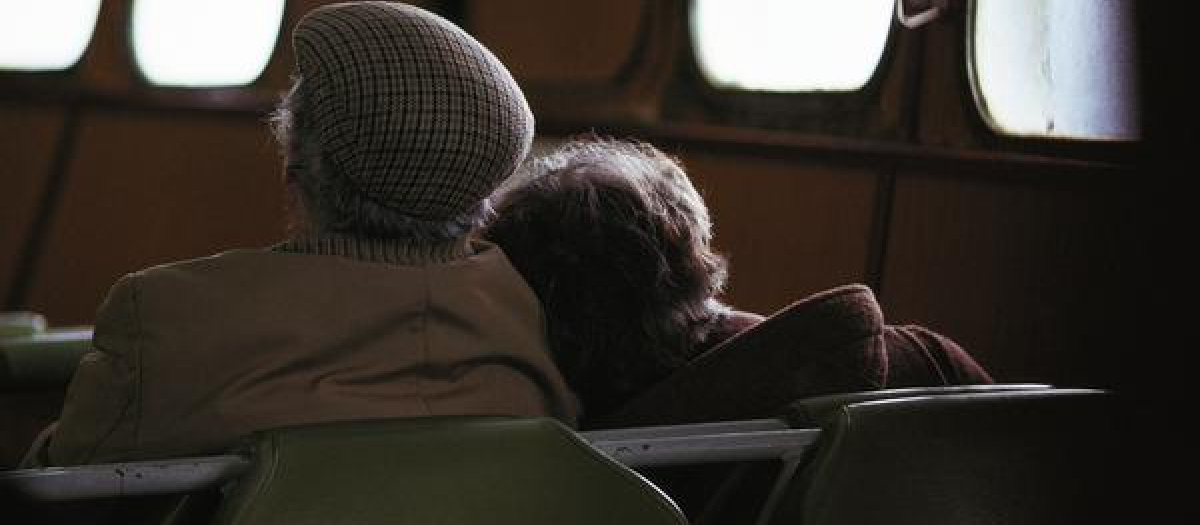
x,y
210,43
1056,68
789,45
46,35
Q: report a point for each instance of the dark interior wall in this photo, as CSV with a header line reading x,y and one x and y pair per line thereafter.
x,y
537,48
789,228
1028,273
130,188
146,188
584,63
26,162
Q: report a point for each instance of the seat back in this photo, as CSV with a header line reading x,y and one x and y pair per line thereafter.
x,y
816,411
739,493
1043,456
36,363
44,359
445,470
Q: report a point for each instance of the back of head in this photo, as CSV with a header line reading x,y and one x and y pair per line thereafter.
x,y
407,113
614,239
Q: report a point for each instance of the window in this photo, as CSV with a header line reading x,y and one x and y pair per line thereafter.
x,y
204,44
790,45
45,35
1056,68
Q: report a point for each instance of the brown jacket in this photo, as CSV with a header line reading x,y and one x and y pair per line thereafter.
x,y
191,356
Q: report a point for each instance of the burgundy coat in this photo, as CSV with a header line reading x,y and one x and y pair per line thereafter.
x,y
831,342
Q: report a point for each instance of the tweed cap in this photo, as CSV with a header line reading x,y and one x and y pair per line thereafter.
x,y
417,114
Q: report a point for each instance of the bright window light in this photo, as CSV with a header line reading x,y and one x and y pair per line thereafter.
x,y
1057,68
790,45
45,35
206,43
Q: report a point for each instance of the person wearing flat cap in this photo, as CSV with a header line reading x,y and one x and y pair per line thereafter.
x,y
396,130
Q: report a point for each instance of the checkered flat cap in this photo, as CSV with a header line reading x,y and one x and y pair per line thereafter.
x,y
419,116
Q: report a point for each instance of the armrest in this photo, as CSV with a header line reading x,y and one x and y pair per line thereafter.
x,y
634,447
137,478
41,359
703,442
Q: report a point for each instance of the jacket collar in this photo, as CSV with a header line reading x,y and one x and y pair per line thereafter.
x,y
374,249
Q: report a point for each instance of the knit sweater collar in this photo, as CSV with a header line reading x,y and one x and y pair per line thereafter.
x,y
373,249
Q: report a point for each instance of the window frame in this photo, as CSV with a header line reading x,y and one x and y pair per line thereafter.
x,y
986,126
835,112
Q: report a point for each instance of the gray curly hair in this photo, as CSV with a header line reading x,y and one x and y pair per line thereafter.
x,y
615,241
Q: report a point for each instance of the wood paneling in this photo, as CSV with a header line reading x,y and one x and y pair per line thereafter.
x,y
561,42
1036,279
31,135
583,61
947,114
150,188
789,228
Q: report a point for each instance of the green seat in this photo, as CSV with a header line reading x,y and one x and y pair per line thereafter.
x,y
1030,457
35,357
18,323
816,411
439,470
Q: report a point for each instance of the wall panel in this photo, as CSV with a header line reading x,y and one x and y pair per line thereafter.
x,y
147,188
583,61
1036,279
31,137
789,228
578,43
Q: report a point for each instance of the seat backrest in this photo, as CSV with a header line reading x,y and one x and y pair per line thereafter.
x,y
745,490
36,363
42,359
815,411
445,470
1042,456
